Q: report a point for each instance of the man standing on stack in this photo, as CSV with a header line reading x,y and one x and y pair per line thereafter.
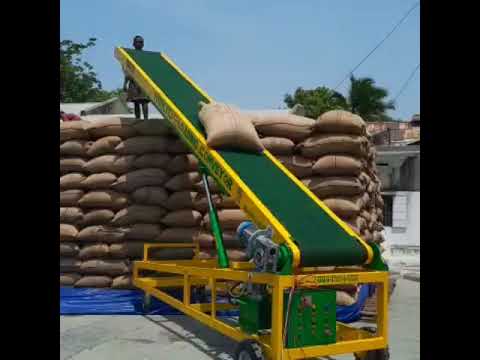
x,y
134,93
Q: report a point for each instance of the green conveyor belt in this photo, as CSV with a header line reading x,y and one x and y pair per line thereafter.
x,y
322,242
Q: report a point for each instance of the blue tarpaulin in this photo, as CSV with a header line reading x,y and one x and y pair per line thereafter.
x,y
87,301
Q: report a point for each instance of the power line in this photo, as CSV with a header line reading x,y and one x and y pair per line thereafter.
x,y
404,86
379,44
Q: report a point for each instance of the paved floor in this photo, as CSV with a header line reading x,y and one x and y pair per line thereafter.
x,y
181,338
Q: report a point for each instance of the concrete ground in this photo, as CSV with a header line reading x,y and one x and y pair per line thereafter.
x,y
179,337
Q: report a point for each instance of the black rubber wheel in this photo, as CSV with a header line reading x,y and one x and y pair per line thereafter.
x,y
380,354
249,350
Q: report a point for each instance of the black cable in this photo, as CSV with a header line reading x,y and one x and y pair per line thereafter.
x,y
404,86
379,44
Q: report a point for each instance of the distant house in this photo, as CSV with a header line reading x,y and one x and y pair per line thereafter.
x,y
112,106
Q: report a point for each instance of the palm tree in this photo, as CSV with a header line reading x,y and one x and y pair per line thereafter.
x,y
368,100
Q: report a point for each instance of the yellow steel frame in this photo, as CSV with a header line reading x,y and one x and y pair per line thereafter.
x,y
187,273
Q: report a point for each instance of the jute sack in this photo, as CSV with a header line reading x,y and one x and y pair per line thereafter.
x,y
323,144
139,145
278,145
184,181
340,122
200,203
71,164
104,267
94,251
337,165
73,130
170,254
142,214
367,235
182,163
298,165
151,161
150,195
98,217
378,237
344,299
176,146
364,178
139,178
110,163
71,215
380,214
71,181
227,128
69,249
104,146
111,126
226,203
68,265
229,219
75,148
325,187
94,282
178,235
130,250
212,185
102,233
233,254
293,127
134,251
68,232
69,279
379,201
143,232
358,222
182,218
378,227
152,127
184,200
70,198
122,282
366,215
98,181
207,241
180,200
108,199
343,208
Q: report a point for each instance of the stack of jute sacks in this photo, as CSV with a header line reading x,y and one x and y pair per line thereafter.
x,y
112,199
125,182
345,176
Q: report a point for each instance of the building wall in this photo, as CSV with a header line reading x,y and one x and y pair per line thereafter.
x,y
405,229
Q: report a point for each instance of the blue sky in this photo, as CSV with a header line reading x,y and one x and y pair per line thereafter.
x,y
251,53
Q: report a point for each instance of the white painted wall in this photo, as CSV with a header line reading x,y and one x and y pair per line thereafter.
x,y
406,219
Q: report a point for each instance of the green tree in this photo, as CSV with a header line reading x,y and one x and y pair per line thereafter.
x,y
78,80
316,101
368,100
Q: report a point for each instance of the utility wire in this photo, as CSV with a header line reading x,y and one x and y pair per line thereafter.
x,y
404,86
379,44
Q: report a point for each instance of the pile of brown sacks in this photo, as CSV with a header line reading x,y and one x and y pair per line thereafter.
x,y
113,199
125,182
344,175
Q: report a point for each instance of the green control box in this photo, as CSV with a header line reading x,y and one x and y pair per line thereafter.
x,y
312,318
255,313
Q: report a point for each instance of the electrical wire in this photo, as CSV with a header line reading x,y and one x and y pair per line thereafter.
x,y
404,86
379,44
